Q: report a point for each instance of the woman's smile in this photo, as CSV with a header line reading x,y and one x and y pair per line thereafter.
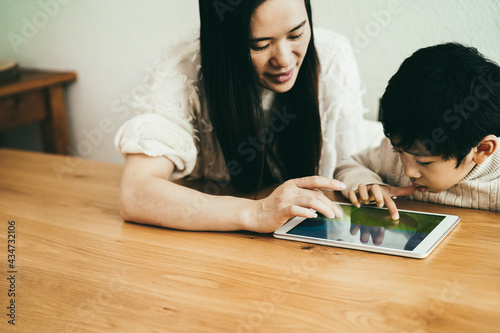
x,y
282,77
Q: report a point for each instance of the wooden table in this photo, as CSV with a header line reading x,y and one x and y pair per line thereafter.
x,y
38,96
80,268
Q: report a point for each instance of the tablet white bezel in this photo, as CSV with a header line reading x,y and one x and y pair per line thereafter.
x,y
426,246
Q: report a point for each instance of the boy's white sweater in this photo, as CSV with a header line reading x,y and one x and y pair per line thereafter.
x,y
480,189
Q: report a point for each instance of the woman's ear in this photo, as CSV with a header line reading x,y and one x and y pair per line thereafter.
x,y
485,148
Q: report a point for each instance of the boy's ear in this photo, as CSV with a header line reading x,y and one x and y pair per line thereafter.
x,y
485,148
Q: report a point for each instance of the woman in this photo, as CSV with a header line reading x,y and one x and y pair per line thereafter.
x,y
254,102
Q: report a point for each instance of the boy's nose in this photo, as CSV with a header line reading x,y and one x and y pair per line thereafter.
x,y
411,171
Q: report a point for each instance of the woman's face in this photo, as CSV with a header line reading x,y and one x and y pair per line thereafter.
x,y
280,35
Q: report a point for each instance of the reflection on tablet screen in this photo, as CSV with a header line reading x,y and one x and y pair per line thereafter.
x,y
371,226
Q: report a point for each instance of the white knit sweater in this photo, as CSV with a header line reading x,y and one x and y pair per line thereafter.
x,y
480,189
173,120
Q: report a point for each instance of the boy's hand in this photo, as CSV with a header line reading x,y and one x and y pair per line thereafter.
x,y
381,194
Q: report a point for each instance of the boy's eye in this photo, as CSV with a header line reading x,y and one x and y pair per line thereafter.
x,y
423,163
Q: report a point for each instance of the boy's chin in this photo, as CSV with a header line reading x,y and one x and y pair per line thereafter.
x,y
423,189
433,190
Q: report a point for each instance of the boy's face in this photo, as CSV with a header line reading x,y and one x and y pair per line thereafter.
x,y
432,173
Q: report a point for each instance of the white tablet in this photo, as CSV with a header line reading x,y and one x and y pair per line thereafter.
x,y
372,229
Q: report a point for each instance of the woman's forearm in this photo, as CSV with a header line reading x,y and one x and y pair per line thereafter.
x,y
148,197
163,203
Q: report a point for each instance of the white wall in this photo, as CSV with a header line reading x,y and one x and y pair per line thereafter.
x,y
110,43
385,32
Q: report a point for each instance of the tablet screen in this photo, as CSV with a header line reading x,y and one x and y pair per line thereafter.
x,y
372,226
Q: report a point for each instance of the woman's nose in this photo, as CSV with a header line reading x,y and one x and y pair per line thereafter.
x,y
282,56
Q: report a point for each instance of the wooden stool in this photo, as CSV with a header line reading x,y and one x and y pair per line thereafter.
x,y
9,71
38,96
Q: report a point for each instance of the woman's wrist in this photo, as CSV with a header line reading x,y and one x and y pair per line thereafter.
x,y
248,215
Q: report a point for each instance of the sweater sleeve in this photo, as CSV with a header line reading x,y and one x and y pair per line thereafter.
x,y
370,166
163,125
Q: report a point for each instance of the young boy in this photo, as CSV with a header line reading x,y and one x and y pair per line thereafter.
x,y
441,117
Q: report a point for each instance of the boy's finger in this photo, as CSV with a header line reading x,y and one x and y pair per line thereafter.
x,y
363,194
401,191
391,206
378,196
354,199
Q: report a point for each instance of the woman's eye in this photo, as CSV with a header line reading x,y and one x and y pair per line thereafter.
x,y
296,36
259,48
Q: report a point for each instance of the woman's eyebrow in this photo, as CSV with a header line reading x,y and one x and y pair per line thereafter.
x,y
298,27
256,40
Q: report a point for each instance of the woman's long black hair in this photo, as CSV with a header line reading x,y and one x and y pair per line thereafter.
x,y
234,101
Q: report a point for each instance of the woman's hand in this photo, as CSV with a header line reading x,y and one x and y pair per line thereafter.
x,y
295,197
381,194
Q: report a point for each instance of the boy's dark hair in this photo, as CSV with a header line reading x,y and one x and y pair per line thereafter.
x,y
445,97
